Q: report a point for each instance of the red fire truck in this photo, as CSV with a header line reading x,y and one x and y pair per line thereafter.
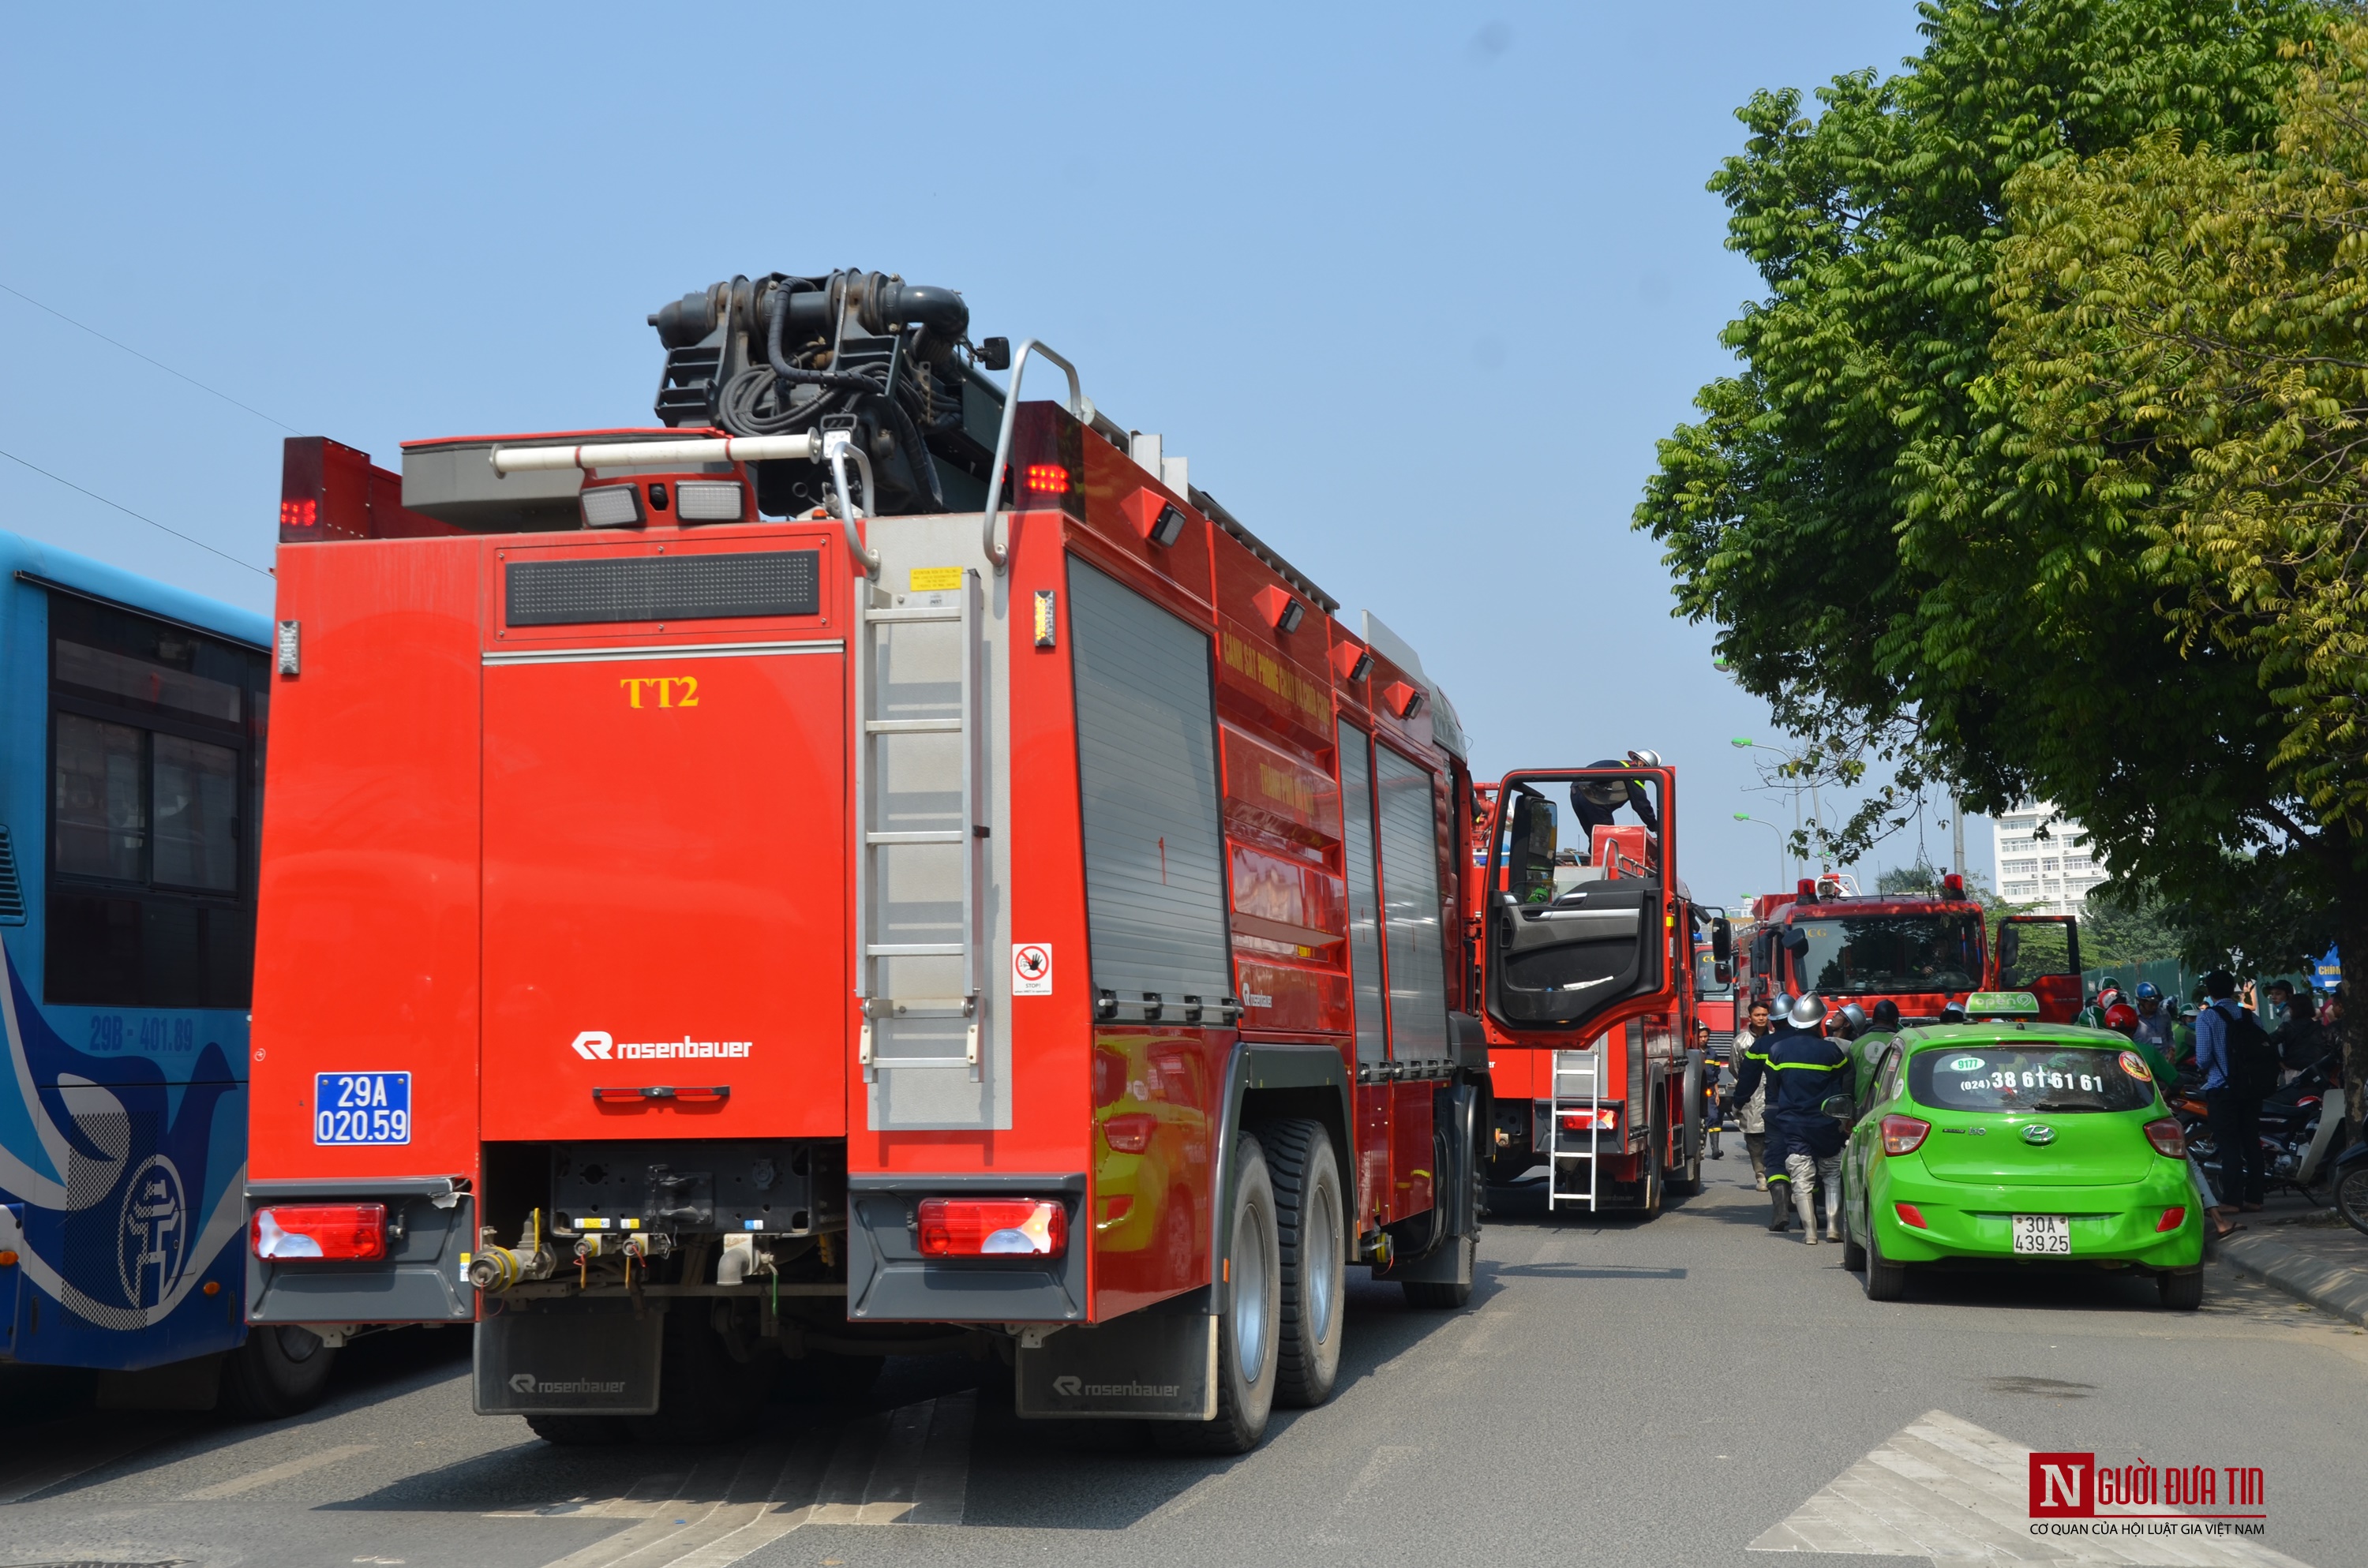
x,y
873,866
1592,1069
1919,952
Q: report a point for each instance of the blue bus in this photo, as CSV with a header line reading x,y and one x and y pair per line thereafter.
x,y
132,746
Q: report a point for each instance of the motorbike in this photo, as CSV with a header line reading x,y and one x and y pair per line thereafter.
x,y
2302,1126
2349,1176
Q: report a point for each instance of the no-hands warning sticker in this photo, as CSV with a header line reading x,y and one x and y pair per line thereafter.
x,y
1032,969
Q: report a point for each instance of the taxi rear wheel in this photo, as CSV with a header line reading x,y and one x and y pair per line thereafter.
x,y
2181,1290
1853,1250
1885,1280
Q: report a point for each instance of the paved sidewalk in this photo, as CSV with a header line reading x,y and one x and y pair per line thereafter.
x,y
2291,1245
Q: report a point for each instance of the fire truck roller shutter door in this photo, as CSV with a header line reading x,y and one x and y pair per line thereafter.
x,y
1364,892
1410,883
1147,772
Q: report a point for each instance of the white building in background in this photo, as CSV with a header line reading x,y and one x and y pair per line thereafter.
x,y
2054,872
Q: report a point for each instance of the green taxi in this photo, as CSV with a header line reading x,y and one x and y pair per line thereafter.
x,y
2013,1142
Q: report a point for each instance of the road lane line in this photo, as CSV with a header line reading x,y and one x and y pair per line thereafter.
x,y
1944,1489
270,1473
942,1485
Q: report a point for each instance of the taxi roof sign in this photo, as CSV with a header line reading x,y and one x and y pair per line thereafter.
x,y
2003,1004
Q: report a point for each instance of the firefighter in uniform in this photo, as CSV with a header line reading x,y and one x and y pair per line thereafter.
x,y
1754,1090
1803,1067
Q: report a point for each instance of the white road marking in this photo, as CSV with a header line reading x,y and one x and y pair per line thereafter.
x,y
906,1466
1385,1459
270,1473
1945,1489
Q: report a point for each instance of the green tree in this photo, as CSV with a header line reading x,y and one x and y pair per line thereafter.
x,y
1873,524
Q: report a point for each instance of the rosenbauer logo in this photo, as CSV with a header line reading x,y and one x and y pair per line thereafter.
x,y
2138,1499
526,1383
598,1045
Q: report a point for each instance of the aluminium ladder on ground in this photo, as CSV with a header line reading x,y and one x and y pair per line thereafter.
x,y
1577,1085
920,835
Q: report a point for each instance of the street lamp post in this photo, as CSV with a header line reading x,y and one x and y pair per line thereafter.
x,y
1817,808
1746,817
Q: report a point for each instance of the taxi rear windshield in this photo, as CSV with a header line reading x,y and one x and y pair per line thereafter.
x,y
2030,1078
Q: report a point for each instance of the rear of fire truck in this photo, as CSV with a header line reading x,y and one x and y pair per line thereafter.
x,y
873,866
1584,952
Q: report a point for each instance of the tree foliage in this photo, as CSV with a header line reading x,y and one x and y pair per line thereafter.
x,y
1862,509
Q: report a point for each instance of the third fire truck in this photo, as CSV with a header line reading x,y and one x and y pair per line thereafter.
x,y
870,865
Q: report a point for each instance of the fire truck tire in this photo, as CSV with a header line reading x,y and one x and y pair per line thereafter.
x,y
704,1396
278,1372
1247,1357
1314,1264
1653,1178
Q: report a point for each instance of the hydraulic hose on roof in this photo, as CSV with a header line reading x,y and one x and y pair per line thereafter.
x,y
916,456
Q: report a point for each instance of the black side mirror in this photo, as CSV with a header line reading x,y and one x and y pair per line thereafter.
x,y
1839,1106
1722,973
1722,940
995,354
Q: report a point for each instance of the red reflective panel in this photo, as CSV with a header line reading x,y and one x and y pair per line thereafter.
x,y
1910,1215
993,1227
352,1231
1048,479
2171,1220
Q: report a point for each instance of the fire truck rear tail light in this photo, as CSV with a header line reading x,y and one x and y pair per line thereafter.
x,y
353,1231
1912,1215
1604,1119
1129,1135
613,505
1904,1134
993,1227
299,514
707,501
1048,479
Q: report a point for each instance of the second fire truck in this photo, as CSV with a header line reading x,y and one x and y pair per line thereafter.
x,y
870,866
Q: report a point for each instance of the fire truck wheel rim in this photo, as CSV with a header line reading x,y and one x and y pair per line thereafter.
x,y
1321,1244
1251,1334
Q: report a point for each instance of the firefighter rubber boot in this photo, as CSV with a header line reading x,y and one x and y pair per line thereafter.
x,y
1805,1201
1780,1206
1834,1213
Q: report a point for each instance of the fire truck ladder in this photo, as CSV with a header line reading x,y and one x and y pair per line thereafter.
x,y
1577,1085
919,829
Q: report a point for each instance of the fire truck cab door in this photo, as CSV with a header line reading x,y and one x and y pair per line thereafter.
x,y
1559,957
2041,954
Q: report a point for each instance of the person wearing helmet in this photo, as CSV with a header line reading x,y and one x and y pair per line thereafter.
x,y
1597,801
2109,992
1804,1068
2153,1022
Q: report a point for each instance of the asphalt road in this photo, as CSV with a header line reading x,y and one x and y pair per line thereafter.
x,y
1617,1392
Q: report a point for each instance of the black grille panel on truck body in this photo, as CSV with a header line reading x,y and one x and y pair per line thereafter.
x,y
663,587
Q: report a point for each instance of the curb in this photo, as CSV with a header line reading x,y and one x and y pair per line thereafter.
x,y
2331,1287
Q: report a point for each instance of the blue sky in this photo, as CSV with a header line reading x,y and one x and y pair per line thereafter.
x,y
1415,288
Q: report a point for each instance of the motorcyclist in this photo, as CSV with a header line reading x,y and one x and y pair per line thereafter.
x,y
2092,1016
2154,1019
1805,1068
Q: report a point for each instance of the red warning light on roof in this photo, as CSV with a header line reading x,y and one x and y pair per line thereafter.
x,y
1048,479
303,514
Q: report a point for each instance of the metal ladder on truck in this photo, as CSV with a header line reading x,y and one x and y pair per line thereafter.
x,y
919,829
1577,1085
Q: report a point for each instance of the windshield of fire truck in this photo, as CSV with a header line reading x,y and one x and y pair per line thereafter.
x,y
1867,954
